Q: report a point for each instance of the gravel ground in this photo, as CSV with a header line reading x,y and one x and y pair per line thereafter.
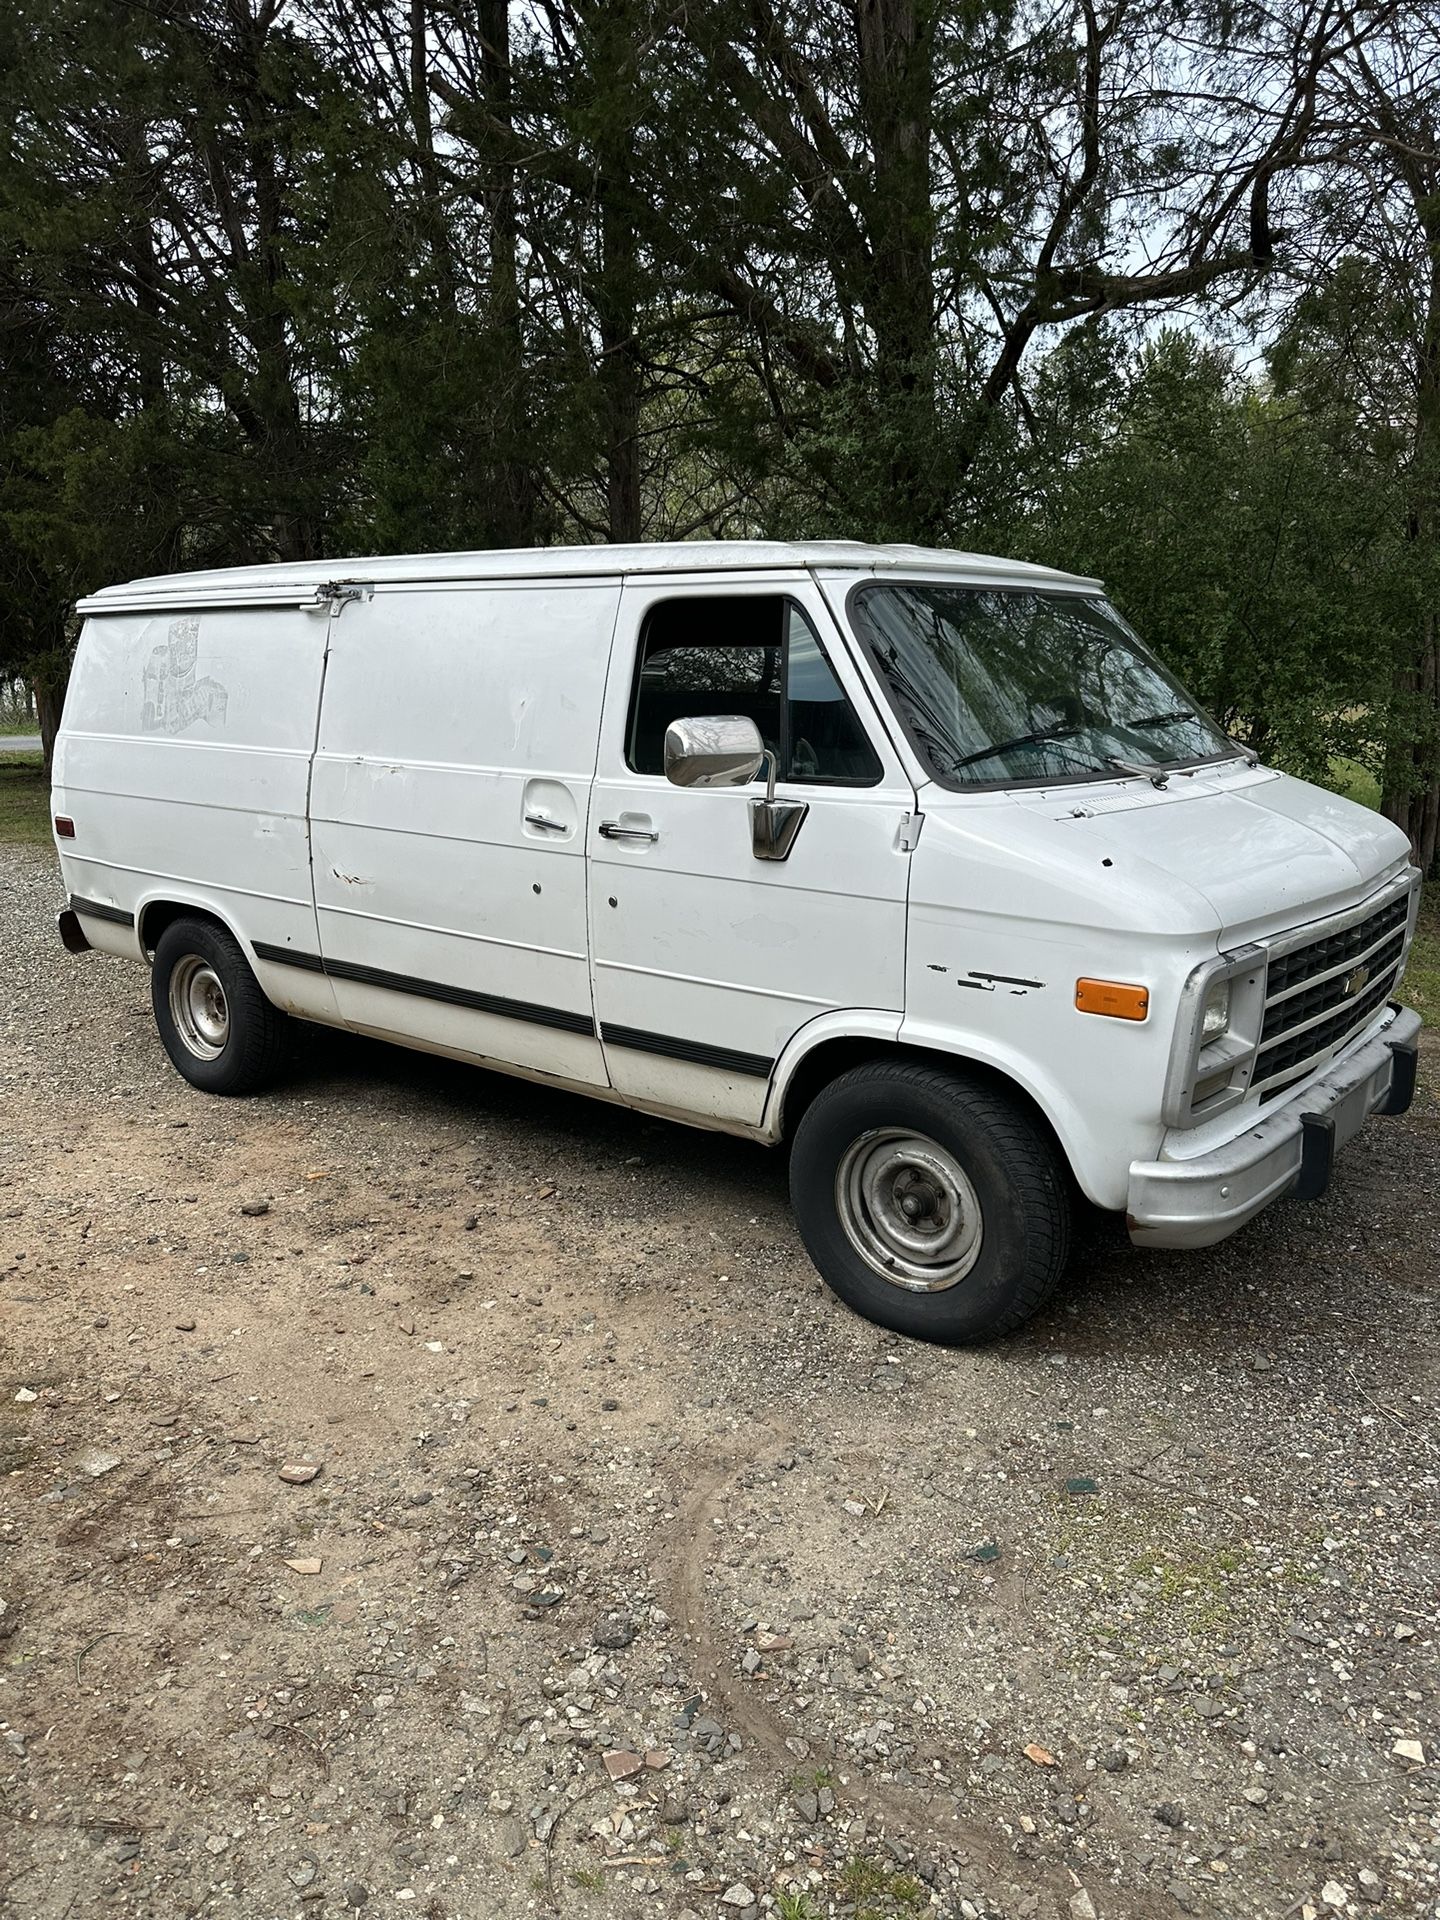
x,y
424,1493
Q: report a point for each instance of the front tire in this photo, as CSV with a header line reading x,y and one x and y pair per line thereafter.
x,y
219,1030
931,1203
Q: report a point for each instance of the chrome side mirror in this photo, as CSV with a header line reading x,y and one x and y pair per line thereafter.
x,y
717,750
725,750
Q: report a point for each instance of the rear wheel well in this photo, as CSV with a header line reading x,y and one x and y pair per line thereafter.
x,y
834,1057
160,914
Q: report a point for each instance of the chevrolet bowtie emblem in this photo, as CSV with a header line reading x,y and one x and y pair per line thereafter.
x,y
1355,981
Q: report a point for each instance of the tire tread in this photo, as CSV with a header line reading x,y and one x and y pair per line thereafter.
x,y
1033,1165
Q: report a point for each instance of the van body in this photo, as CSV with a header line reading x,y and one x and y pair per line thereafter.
x,y
912,859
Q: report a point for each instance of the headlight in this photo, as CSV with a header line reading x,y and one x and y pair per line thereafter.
x,y
1216,1017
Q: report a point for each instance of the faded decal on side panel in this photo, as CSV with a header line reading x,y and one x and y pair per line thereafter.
x,y
174,697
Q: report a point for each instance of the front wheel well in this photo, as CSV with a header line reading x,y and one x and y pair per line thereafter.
x,y
157,915
833,1057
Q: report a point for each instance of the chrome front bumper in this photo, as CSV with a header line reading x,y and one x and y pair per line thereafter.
x,y
1194,1203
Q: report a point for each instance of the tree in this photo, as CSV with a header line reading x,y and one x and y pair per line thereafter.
x,y
1251,540
1361,328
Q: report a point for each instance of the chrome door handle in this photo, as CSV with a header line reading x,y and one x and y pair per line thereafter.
x,y
544,820
612,830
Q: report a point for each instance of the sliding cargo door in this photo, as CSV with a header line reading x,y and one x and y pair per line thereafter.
x,y
449,802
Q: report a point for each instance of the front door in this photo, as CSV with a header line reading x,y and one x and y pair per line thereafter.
x,y
707,959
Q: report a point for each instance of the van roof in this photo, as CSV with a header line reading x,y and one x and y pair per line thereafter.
x,y
222,584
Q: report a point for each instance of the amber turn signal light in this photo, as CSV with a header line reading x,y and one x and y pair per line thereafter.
x,y
1116,998
64,827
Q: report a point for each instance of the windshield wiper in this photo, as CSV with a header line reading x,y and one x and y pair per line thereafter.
x,y
1161,719
1036,739
1157,774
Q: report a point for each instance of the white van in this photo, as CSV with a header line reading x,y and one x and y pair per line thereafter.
x,y
914,860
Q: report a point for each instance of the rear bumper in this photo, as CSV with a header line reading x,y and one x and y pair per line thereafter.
x,y
72,934
1194,1203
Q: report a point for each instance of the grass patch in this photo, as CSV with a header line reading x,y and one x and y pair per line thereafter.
x,y
24,801
1420,988
1354,781
876,1892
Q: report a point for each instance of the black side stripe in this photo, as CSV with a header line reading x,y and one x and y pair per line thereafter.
x,y
495,1003
288,957
754,1065
97,910
728,1059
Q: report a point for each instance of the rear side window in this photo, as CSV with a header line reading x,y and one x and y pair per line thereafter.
x,y
755,655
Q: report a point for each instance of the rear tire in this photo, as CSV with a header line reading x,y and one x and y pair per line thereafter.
x,y
932,1204
219,1030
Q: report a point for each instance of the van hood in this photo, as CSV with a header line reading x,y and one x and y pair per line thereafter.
x,y
1265,850
1235,851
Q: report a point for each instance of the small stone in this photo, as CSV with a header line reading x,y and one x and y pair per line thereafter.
x,y
15,1742
254,1209
618,1631
658,1758
512,1838
302,1873
751,1661
1082,1483
609,1406
356,1895
1207,1706
95,1462
1334,1896
216,1843
1410,1751
1082,1907
807,1805
26,1395
299,1473
1169,1815
1372,1887
244,1437
620,1763
856,1508
187,1325
310,1564
673,1810
738,1895
1257,1796
1041,1756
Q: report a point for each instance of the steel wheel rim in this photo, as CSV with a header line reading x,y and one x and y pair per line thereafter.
x,y
198,1007
909,1209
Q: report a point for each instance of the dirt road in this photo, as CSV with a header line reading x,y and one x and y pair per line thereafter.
x,y
636,1576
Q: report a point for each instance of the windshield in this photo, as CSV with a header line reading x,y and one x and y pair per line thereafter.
x,y
1005,687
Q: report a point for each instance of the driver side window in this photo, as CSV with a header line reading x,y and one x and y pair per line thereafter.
x,y
756,655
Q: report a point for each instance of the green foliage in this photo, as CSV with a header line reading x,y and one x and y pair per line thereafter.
x,y
24,801
1250,546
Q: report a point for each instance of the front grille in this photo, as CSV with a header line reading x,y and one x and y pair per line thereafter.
x,y
1314,1001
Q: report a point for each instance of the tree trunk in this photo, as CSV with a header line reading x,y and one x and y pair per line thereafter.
x,y
615,30
896,79
514,511
48,689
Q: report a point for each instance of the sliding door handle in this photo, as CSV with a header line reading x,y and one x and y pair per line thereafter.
x,y
613,830
544,820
